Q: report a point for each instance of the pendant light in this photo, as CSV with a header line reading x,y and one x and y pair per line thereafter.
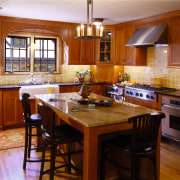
x,y
89,32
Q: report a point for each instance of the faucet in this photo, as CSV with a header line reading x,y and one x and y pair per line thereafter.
x,y
33,80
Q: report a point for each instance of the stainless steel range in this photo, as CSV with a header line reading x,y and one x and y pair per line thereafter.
x,y
145,92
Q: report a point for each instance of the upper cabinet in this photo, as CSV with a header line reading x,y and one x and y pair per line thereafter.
x,y
120,42
104,48
174,42
81,52
127,55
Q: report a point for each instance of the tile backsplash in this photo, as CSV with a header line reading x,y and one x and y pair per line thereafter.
x,y
157,62
67,75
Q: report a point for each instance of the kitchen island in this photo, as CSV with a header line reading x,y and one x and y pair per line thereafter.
x,y
93,122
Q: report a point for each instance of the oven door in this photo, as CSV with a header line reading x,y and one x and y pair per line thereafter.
x,y
171,123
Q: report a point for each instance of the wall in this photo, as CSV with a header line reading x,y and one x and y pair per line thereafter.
x,y
157,61
68,75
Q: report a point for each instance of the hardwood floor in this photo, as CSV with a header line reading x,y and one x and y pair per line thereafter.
x,y
11,163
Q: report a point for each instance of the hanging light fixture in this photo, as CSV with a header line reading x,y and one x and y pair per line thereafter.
x,y
88,32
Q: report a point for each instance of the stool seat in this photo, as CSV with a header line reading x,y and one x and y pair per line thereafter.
x,y
34,118
63,134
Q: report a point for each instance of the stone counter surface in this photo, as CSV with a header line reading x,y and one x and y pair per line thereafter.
x,y
9,86
60,84
118,112
171,93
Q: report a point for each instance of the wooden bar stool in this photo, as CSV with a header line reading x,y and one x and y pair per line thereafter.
x,y
31,121
142,143
52,136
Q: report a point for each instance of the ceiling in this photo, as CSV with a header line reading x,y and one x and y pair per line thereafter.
x,y
75,11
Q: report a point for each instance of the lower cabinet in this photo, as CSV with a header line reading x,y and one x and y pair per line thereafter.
x,y
96,88
10,108
69,88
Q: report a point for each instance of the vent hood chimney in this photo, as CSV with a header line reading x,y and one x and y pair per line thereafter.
x,y
150,36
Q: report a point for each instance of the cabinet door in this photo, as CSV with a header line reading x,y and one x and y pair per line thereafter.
x,y
1,112
10,103
81,51
174,42
120,46
74,48
87,52
75,88
65,89
104,48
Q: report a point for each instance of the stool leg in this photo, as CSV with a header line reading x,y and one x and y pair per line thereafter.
x,y
52,164
155,167
43,159
26,146
39,139
29,147
69,159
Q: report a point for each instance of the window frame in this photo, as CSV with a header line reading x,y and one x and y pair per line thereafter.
x,y
59,51
19,49
42,50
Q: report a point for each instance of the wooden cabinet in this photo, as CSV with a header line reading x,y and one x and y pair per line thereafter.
x,y
97,88
174,42
10,108
81,52
68,88
120,42
104,49
1,122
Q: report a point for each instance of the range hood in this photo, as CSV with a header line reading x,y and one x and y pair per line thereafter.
x,y
150,36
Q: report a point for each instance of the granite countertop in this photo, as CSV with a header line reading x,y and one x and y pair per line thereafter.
x,y
9,86
60,84
118,112
171,93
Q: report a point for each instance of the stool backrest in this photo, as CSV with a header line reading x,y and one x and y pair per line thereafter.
x,y
48,119
26,105
145,130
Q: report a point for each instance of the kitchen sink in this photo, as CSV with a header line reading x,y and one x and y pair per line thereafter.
x,y
34,89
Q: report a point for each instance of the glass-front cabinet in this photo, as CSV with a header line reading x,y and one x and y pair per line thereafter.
x,y
104,48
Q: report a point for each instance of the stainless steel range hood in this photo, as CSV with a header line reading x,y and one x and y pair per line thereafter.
x,y
150,36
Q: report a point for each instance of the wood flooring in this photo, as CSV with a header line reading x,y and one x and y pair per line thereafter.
x,y
11,165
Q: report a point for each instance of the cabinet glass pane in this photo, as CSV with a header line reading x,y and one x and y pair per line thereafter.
x,y
108,36
101,57
102,45
108,46
107,57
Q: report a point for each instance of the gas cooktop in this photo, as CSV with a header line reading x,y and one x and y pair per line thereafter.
x,y
149,88
145,92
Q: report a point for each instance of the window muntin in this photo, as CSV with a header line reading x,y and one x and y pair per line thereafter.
x,y
17,54
45,55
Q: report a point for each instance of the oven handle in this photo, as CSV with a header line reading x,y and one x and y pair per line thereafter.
x,y
169,106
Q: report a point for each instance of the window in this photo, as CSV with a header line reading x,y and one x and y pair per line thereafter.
x,y
22,56
44,55
17,54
